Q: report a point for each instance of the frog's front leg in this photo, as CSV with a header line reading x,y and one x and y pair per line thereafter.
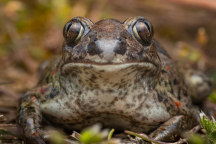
x,y
29,119
30,116
172,129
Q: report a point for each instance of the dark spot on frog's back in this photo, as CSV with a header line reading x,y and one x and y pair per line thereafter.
x,y
163,71
110,90
175,81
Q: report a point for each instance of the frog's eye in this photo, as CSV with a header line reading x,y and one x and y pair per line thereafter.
x,y
141,29
75,29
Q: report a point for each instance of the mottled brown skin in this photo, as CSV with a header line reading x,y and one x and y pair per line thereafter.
x,y
113,73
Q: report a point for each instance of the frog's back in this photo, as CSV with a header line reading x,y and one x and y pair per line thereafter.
x,y
47,71
171,79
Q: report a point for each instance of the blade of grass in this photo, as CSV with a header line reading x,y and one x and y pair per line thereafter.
x,y
110,134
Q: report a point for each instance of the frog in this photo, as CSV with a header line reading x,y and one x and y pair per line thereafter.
x,y
110,72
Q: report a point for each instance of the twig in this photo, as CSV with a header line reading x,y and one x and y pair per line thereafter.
x,y
75,136
192,131
9,134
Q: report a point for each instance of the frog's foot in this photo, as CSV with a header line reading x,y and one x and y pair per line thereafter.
x,y
37,137
34,139
29,120
172,129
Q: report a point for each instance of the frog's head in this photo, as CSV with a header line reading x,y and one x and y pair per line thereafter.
x,y
110,42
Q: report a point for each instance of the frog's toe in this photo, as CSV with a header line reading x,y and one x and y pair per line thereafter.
x,y
35,140
37,136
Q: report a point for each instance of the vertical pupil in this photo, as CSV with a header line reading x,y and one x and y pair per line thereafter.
x,y
147,26
68,27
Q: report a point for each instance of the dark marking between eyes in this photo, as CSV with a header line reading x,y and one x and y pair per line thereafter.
x,y
121,46
93,48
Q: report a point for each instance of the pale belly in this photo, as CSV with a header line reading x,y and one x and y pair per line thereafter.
x,y
134,111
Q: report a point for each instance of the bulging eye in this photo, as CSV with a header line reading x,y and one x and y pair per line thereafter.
x,y
141,29
75,29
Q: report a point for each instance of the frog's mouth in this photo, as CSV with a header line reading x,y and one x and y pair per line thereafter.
x,y
109,67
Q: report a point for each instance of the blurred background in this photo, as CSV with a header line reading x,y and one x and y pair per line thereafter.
x,y
31,32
